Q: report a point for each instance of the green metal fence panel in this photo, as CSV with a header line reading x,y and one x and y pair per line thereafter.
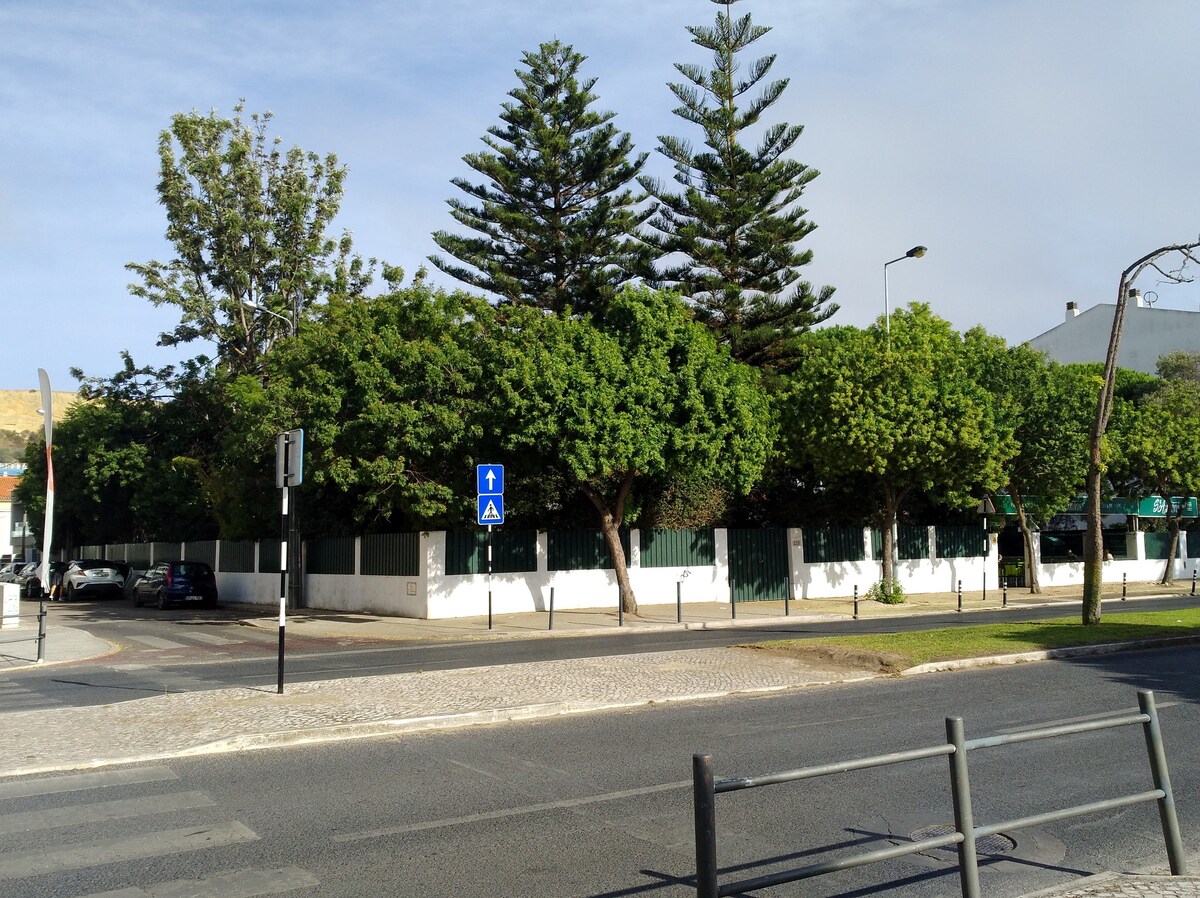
x,y
758,564
1059,546
1116,543
391,555
678,548
89,552
828,544
513,552
1157,545
202,550
268,556
165,551
331,555
115,552
912,542
137,555
237,556
955,541
580,550
1193,544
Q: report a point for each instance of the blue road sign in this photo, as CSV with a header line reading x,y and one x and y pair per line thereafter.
x,y
491,511
489,480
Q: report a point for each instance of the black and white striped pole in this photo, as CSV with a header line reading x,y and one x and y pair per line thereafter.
x,y
289,472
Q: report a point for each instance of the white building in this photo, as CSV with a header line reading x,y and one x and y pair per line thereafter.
x,y
1148,334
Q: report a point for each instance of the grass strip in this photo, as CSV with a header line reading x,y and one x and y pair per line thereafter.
x,y
897,651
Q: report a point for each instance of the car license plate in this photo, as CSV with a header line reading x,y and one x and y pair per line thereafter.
x,y
195,598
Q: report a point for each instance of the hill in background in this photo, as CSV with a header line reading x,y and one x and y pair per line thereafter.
x,y
20,423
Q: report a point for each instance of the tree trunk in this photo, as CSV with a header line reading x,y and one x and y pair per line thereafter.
x,y
1031,569
890,503
1173,546
1093,548
610,524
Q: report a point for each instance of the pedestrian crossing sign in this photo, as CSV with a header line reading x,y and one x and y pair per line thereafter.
x,y
491,510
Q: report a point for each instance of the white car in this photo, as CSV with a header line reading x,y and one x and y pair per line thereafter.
x,y
92,576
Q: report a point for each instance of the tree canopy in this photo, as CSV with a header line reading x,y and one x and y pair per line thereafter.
x,y
248,225
728,238
554,219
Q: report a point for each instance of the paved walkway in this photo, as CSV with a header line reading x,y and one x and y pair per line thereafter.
x,y
223,720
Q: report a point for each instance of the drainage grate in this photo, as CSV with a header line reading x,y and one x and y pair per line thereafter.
x,y
994,844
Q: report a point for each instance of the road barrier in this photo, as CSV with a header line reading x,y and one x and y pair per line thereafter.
x,y
966,830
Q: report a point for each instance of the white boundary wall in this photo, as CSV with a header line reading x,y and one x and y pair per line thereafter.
x,y
433,594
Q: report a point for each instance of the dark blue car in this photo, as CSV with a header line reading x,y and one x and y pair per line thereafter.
x,y
177,583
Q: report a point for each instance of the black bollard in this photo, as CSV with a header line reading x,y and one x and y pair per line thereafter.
x,y
1124,586
1004,600
960,595
551,627
856,601
678,602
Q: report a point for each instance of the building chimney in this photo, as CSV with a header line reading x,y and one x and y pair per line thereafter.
x,y
1072,310
1136,295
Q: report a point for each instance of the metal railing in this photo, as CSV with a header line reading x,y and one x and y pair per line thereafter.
x,y
966,831
41,633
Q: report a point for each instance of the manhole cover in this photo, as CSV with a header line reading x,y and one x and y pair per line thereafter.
x,y
994,844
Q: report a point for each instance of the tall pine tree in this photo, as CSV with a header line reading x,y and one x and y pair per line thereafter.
x,y
728,240
555,217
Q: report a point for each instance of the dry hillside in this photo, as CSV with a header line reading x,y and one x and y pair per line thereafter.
x,y
19,409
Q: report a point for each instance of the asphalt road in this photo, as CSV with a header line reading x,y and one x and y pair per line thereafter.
x,y
599,805
211,650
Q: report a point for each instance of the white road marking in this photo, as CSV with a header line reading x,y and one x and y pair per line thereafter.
x,y
238,884
31,821
76,781
509,812
39,861
208,638
155,642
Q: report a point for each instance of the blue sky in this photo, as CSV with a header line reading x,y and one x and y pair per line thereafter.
x,y
1037,147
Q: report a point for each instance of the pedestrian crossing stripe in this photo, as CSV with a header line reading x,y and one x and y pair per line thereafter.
x,y
491,514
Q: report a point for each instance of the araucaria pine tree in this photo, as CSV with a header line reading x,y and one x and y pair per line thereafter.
x,y
729,239
555,217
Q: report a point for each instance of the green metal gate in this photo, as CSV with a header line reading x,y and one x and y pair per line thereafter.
x,y
758,564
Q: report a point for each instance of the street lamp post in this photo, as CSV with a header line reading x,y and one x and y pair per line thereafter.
x,y
915,253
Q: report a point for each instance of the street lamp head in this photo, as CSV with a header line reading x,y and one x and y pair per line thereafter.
x,y
916,252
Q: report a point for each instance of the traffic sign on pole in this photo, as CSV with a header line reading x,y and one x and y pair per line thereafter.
x,y
489,480
491,510
489,483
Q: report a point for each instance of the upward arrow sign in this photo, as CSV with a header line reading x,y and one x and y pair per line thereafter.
x,y
491,479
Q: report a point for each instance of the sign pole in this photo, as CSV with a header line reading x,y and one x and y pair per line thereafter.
x,y
489,574
283,563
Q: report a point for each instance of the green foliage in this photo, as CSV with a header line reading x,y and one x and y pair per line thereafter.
x,y
647,394
118,475
247,222
896,422
888,592
737,221
554,215
387,390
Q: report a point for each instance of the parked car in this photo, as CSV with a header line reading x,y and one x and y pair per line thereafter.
x,y
9,571
33,586
28,571
177,582
92,576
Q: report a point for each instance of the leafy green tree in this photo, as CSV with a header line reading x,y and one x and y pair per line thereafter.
x,y
247,222
914,419
386,390
554,218
121,471
735,225
647,396
1053,408
1156,443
